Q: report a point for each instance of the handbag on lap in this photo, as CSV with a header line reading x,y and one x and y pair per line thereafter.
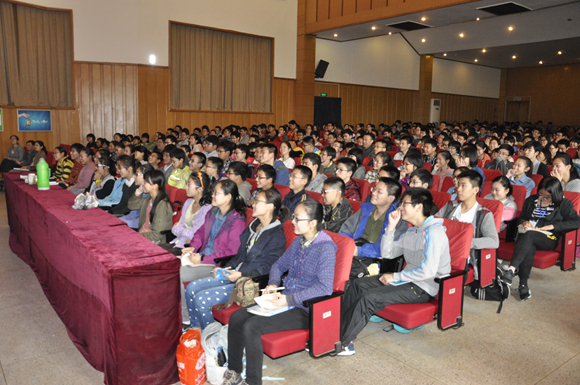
x,y
243,294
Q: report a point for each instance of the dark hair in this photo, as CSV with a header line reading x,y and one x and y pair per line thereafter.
x,y
470,153
314,158
308,140
75,146
315,211
430,141
330,151
168,148
415,159
178,153
201,156
127,161
505,182
529,164
421,196
212,139
106,161
348,163
243,148
553,186
15,136
156,177
217,162
567,160
172,138
508,148
305,171
358,154
62,150
273,196
143,150
455,144
272,149
537,146
424,176
474,177
230,188
335,182
240,169
201,179
394,188
547,155
226,145
447,156
393,172
91,136
268,170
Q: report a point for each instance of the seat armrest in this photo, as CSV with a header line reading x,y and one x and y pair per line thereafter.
x,y
568,251
222,260
262,280
450,309
312,301
511,230
443,278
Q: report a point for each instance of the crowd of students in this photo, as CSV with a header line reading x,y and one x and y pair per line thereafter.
x,y
289,165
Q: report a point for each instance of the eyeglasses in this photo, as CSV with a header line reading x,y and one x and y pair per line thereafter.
x,y
327,191
341,170
220,151
407,203
256,201
545,198
217,193
294,219
380,192
192,185
136,174
293,176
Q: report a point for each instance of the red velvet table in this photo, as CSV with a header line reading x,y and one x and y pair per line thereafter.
x,y
116,292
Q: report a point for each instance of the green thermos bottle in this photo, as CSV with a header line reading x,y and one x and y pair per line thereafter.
x,y
42,174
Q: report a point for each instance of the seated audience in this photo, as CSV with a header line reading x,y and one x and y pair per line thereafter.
x,y
549,211
268,155
468,158
337,208
285,149
501,163
426,252
265,177
213,167
123,189
299,178
41,153
167,166
225,150
102,182
443,167
453,190
517,175
566,172
86,174
501,190
63,166
238,172
467,210
313,162
15,155
310,261
261,244
380,160
532,150
345,167
412,161
327,166
132,219
181,171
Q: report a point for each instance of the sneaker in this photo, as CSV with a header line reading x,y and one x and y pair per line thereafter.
x,y
232,378
525,292
348,350
508,276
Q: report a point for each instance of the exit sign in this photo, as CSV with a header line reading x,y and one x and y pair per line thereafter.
x,y
323,94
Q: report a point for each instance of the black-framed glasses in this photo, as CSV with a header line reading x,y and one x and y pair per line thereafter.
x,y
293,218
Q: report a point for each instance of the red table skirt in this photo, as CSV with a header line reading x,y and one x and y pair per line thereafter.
x,y
116,292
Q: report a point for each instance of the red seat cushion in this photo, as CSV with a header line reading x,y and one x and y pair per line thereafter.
x,y
282,343
542,259
223,316
410,315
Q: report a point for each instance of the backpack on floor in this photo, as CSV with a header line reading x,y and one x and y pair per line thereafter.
x,y
497,291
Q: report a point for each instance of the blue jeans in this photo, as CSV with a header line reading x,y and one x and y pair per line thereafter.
x,y
202,294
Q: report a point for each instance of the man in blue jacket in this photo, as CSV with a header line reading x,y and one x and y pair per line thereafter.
x,y
269,156
368,225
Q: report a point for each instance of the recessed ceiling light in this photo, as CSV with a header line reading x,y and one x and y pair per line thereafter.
x,y
423,40
152,59
510,28
475,60
444,54
336,35
484,50
559,52
461,34
477,19
390,33
373,28
423,18
541,62
513,57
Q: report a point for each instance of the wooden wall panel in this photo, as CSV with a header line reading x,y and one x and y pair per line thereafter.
x,y
335,8
553,91
105,103
154,113
460,108
323,9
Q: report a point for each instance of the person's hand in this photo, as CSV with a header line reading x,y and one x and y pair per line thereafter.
x,y
402,174
462,161
214,272
187,250
269,289
233,276
394,218
386,279
279,300
356,251
546,228
527,225
25,167
436,167
556,174
510,159
511,172
18,162
195,258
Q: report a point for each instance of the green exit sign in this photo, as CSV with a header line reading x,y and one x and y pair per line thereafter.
x,y
323,94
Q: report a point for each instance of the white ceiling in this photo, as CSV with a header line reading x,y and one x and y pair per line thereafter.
x,y
552,25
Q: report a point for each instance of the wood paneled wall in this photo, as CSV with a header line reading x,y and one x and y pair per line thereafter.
x,y
553,91
105,102
154,113
460,108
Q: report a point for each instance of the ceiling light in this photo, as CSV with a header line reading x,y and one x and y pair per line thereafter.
x,y
423,40
423,18
390,33
510,28
444,54
559,52
152,59
541,62
475,60
336,35
461,34
373,28
513,57
477,19
484,50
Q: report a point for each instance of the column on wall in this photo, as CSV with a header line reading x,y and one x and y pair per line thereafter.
x,y
422,105
305,65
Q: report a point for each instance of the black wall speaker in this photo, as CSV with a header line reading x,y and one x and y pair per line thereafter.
x,y
320,69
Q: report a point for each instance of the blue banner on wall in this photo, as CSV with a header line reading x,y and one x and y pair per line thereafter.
x,y
34,120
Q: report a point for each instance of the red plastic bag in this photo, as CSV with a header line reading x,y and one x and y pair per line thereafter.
x,y
191,359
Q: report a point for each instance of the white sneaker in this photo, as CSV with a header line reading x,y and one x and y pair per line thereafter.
x,y
348,350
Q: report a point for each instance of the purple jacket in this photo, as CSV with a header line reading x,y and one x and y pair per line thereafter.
x,y
227,241
183,234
